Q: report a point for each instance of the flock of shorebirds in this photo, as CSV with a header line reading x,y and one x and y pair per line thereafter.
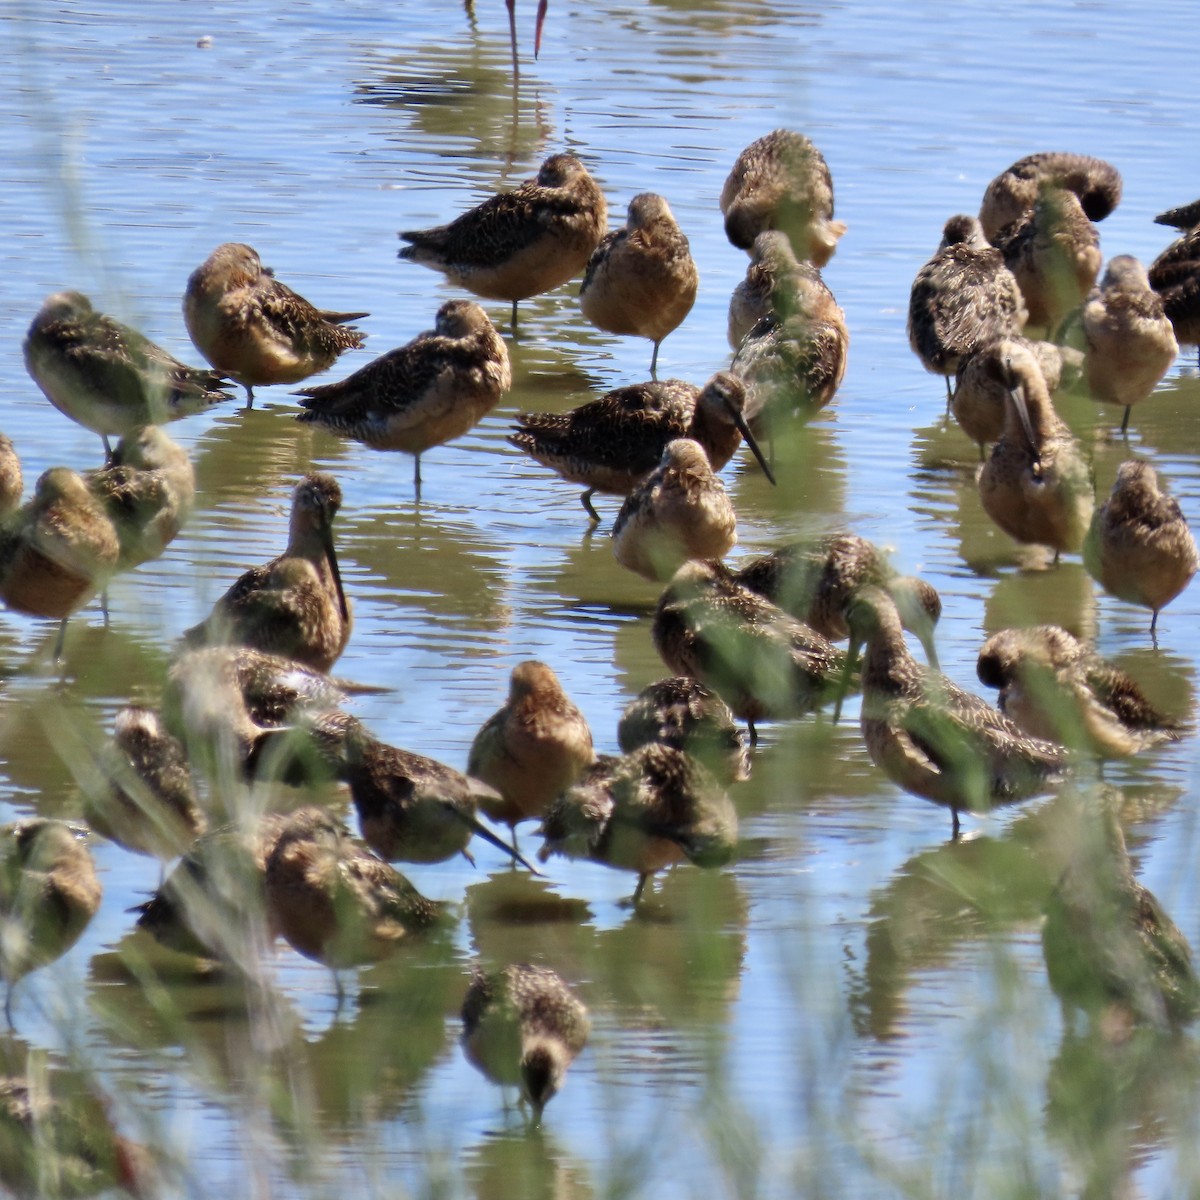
x,y
250,693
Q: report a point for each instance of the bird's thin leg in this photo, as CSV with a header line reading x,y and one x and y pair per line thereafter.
x,y
249,396
514,318
512,36
637,891
1154,629
750,727
949,395
1125,422
104,605
417,475
955,824
59,642
654,362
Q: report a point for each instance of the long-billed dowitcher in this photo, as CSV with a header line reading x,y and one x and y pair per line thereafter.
x,y
981,394
294,605
781,181
928,735
12,480
1110,947
1175,273
776,283
612,443
410,808
530,749
334,901
679,511
148,490
1036,485
963,298
1053,252
48,893
1139,546
1056,688
1013,192
255,329
682,713
522,243
793,365
57,551
763,663
1128,340
146,800
815,580
108,377
641,279
422,394
523,1026
643,812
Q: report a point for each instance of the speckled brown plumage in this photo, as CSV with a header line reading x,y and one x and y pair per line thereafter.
x,y
776,283
12,480
682,713
679,511
532,748
1053,251
763,663
781,181
1175,276
521,243
334,901
1013,192
294,605
963,298
641,279
254,328
612,443
422,394
1129,341
932,738
108,377
1056,688
523,1026
1139,546
642,812
147,801
1036,485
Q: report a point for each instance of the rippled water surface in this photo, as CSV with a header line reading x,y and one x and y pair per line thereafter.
x,y
856,1006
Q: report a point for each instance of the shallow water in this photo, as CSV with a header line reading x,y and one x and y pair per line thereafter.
x,y
856,1006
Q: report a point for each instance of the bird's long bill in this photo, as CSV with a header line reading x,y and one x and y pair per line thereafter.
x,y
537,29
843,685
924,634
1017,395
331,556
744,430
481,830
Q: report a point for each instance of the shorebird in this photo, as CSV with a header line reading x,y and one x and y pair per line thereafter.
x,y
1129,341
522,243
781,181
763,663
294,605
1053,252
962,299
426,392
643,812
57,551
523,1026
410,808
679,511
793,365
255,329
981,394
612,443
108,377
776,283
1036,485
682,713
1110,947
815,580
641,279
1175,273
48,893
532,748
334,901
12,481
1056,688
1139,546
1013,192
928,735
148,490
146,800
